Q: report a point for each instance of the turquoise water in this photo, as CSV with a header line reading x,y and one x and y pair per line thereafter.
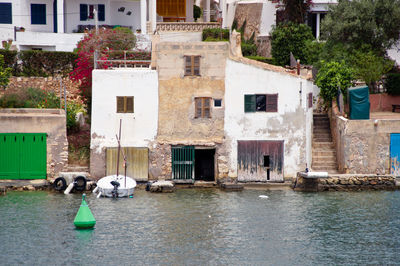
x,y
203,227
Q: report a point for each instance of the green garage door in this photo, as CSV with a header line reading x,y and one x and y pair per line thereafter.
x,y
23,156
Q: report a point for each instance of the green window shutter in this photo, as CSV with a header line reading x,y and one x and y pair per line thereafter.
x,y
249,103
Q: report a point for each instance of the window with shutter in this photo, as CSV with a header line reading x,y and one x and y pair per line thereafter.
x,y
260,103
5,13
202,107
38,14
125,104
192,65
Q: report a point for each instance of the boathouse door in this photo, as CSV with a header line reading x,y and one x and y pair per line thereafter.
x,y
23,156
260,160
137,159
183,163
395,154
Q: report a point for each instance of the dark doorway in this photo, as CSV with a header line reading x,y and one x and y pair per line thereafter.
x,y
204,164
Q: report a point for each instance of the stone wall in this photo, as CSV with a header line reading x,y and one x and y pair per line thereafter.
x,y
50,121
264,46
251,13
177,124
362,146
345,183
46,83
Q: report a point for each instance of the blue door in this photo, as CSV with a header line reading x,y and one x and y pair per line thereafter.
x,y
395,154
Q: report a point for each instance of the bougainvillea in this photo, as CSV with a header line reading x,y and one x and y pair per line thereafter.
x,y
104,41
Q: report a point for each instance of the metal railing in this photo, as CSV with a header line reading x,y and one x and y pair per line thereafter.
x,y
123,62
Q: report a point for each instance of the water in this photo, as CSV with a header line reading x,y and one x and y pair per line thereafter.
x,y
203,227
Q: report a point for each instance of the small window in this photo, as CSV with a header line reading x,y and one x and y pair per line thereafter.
x,y
38,14
217,102
5,13
261,103
202,107
124,104
266,161
192,65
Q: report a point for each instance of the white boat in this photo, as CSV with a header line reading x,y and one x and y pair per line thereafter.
x,y
114,186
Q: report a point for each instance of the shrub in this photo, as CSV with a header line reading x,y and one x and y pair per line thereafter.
x,y
330,77
196,12
215,34
10,58
5,73
290,37
261,59
392,83
46,63
249,49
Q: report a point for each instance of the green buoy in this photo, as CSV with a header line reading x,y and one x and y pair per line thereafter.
x,y
84,219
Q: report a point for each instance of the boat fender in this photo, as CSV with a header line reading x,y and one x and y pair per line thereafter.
x,y
95,190
60,183
69,188
80,183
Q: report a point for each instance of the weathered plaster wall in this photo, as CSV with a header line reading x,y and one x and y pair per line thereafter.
x,y
138,128
50,121
251,13
361,146
292,123
177,124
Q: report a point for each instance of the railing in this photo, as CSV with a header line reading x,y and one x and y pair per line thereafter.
x,y
120,59
186,26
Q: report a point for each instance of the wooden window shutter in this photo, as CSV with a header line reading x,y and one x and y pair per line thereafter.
x,y
206,107
129,104
188,65
272,103
198,107
196,65
249,103
310,100
120,104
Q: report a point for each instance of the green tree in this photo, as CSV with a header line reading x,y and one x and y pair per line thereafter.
x,y
293,10
289,37
331,76
363,22
5,73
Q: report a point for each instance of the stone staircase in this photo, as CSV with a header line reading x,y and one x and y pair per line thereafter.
x,y
323,149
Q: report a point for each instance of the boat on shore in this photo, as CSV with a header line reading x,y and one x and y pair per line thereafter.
x,y
116,186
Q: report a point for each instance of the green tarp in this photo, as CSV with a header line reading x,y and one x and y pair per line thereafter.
x,y
359,105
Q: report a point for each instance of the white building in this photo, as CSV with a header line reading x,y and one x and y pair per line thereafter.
x,y
57,25
130,97
268,121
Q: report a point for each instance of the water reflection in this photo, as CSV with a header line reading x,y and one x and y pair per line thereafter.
x,y
193,227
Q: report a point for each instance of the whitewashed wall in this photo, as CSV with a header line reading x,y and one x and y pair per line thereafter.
x,y
292,123
268,18
138,128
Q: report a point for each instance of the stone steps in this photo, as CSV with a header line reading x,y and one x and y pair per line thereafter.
x,y
323,149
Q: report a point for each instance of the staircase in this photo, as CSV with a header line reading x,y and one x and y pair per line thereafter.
x,y
323,149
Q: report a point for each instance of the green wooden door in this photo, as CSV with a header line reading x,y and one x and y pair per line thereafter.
x,y
183,163
23,156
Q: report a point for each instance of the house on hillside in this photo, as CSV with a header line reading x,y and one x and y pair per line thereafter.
x,y
268,118
58,25
205,114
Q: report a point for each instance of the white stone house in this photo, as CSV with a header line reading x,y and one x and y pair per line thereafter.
x,y
53,24
268,121
126,96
